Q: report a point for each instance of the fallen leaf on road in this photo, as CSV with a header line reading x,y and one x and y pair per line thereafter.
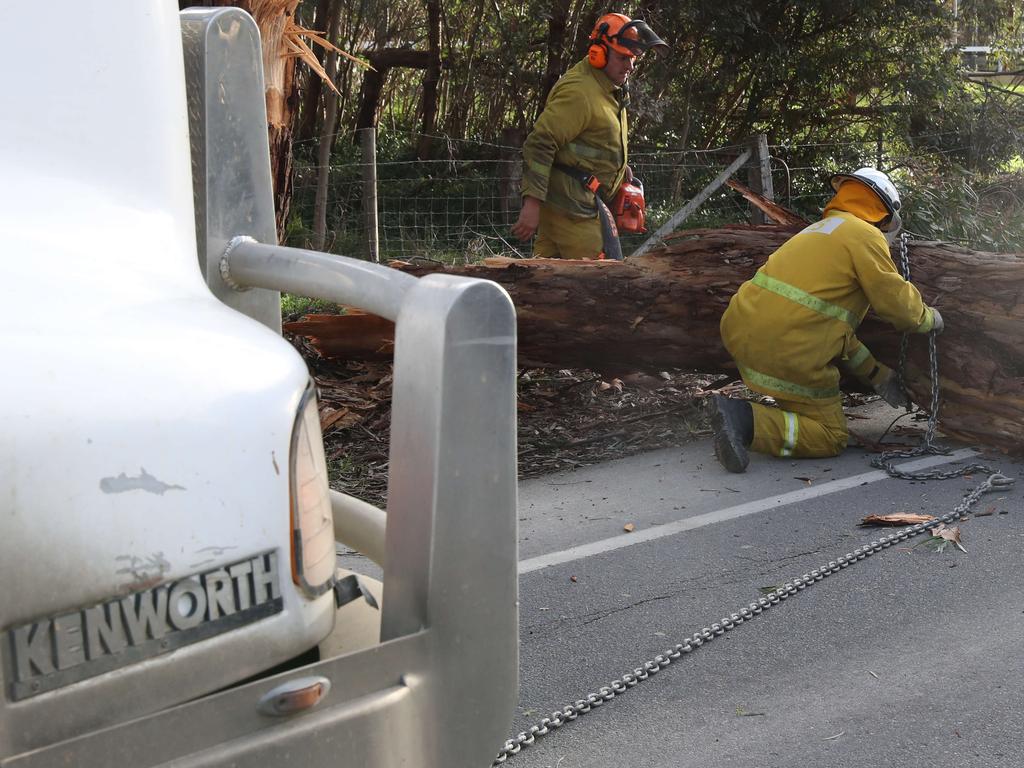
x,y
949,533
897,518
629,527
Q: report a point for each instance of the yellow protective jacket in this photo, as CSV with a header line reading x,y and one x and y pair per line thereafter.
x,y
583,125
789,325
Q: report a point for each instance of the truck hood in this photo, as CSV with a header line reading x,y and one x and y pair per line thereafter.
x,y
138,411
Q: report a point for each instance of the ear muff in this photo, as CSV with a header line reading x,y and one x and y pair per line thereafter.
x,y
597,54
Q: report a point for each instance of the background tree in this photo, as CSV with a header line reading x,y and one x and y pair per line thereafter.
x,y
833,83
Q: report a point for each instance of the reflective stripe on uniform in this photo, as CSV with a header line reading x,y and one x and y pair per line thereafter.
x,y
792,434
585,150
764,381
539,168
859,357
805,299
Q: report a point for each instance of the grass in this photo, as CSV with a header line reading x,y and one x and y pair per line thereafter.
x,y
294,307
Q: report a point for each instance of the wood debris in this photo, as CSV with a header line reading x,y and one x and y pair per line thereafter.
x,y
567,419
897,518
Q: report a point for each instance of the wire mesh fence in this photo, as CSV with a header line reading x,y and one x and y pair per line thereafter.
x,y
460,206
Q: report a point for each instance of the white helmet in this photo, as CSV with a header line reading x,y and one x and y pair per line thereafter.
x,y
877,181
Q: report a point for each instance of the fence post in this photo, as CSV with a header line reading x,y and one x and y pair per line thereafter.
x,y
368,141
760,176
511,177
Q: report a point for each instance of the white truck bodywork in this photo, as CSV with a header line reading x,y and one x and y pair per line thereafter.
x,y
146,453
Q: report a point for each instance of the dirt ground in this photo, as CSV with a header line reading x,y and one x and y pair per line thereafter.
x,y
567,418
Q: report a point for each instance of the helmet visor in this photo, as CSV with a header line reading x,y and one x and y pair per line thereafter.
x,y
636,37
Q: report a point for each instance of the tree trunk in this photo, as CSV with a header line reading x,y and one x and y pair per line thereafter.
x,y
431,79
310,109
662,309
373,80
323,154
557,25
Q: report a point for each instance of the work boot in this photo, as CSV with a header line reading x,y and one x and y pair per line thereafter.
x,y
733,424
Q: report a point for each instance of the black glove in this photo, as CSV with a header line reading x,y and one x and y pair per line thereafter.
x,y
937,324
892,391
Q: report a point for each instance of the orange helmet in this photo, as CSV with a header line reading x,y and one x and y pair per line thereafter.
x,y
623,35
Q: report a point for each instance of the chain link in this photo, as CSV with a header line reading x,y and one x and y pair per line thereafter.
x,y
701,637
927,447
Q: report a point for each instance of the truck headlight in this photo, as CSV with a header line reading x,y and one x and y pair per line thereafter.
x,y
312,522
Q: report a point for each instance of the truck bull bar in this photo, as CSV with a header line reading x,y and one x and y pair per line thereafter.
x,y
440,687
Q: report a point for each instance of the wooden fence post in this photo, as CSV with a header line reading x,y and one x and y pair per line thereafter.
x,y
759,175
368,141
511,173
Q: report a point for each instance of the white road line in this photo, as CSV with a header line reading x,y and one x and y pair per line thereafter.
x,y
731,513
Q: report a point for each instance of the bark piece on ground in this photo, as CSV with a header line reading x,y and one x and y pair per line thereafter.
x,y
897,518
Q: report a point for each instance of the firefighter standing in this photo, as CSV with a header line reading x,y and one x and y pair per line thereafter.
x,y
789,325
581,132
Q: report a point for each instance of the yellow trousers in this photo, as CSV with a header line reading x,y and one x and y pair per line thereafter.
x,y
801,430
561,236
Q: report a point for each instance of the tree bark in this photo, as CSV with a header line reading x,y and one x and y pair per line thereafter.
x,y
373,80
431,79
662,309
557,25
326,143
309,112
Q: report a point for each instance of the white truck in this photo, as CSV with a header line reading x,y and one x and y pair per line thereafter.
x,y
167,533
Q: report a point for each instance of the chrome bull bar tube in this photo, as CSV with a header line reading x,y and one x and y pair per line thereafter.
x,y
359,525
343,280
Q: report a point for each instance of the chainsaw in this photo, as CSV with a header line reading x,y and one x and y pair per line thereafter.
x,y
626,213
629,207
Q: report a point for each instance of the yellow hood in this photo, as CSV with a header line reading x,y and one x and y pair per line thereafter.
x,y
858,199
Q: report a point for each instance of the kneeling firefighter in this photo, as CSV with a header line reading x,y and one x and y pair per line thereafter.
x,y
575,158
790,324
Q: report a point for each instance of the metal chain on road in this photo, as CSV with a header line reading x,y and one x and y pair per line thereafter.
x,y
620,685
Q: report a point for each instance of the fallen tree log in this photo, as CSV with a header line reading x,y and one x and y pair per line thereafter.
x,y
661,310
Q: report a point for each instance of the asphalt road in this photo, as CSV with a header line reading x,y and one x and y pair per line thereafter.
x,y
911,657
